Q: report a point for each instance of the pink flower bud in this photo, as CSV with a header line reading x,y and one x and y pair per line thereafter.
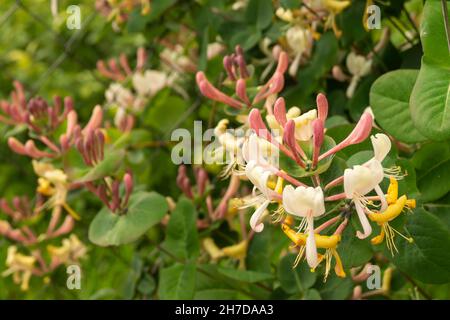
x,y
209,91
96,119
318,137
72,119
124,64
228,65
16,146
101,67
360,133
322,106
289,139
141,58
65,227
240,60
283,62
280,111
256,123
202,180
241,91
128,182
115,195
68,105
34,152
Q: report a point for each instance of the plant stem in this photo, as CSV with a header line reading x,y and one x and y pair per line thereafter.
x,y
446,23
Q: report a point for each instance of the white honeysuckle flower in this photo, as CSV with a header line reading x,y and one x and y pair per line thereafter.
x,y
119,116
149,83
362,179
285,15
381,146
116,93
303,125
260,151
306,202
230,145
299,41
259,176
214,49
359,67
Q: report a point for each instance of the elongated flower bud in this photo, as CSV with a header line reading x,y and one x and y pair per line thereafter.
x,y
279,111
322,106
241,91
96,119
318,137
360,133
211,92
16,146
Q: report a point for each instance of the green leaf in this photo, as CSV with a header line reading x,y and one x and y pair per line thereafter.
x,y
354,252
245,275
296,280
259,13
181,236
430,101
146,285
427,259
432,34
110,164
112,229
336,288
433,163
389,99
161,115
177,282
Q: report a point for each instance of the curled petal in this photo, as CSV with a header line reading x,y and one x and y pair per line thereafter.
x,y
255,223
367,228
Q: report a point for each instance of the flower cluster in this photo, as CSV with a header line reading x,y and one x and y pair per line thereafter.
x,y
286,157
64,156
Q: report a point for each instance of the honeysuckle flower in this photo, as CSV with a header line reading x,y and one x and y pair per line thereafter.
x,y
333,7
359,66
260,179
149,83
307,203
231,144
395,208
20,266
53,183
303,125
285,14
260,151
300,42
362,179
329,243
71,251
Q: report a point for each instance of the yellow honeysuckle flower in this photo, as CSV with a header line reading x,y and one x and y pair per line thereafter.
x,y
329,243
20,266
53,183
395,208
71,251
212,249
337,6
